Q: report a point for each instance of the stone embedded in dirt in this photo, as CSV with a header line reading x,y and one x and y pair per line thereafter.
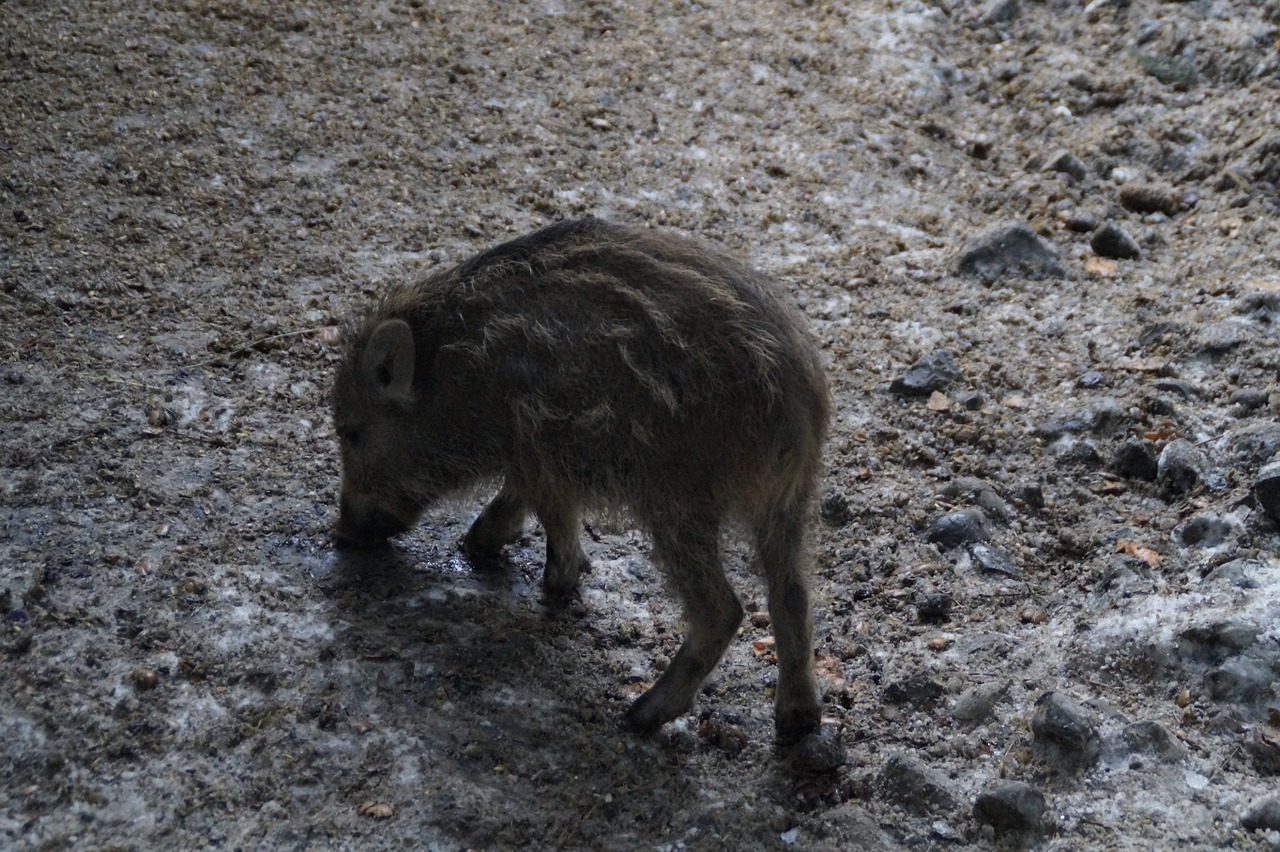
x,y
963,526
1097,417
1262,817
982,494
1262,742
1071,452
1145,198
1249,398
1062,725
916,691
834,507
1114,242
1153,739
1266,490
1014,249
1065,162
1237,573
1262,305
931,373
1080,222
1205,530
933,607
993,560
1135,459
1219,337
919,789
1163,333
820,751
999,11
1255,444
1010,806
1240,680
977,702
1181,466
1091,380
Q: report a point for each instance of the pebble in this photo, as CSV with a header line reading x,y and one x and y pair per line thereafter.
x,y
1000,11
1114,242
1061,724
982,494
1249,398
1262,817
1205,530
1097,417
1181,466
913,785
977,702
933,607
1077,453
1240,680
931,373
916,691
1262,742
1238,574
834,507
1067,163
1091,380
1153,739
1010,806
963,526
1012,249
1255,444
1219,337
1135,459
1266,490
821,751
1145,198
993,560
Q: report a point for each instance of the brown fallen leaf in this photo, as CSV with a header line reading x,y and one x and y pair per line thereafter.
x,y
1132,548
1102,266
376,810
938,401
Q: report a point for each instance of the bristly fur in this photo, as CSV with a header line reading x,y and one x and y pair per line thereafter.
x,y
590,364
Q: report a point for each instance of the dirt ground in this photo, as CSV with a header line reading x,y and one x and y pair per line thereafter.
x,y
1052,560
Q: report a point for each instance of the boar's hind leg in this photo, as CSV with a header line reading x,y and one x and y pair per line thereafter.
x,y
780,544
690,558
565,560
499,524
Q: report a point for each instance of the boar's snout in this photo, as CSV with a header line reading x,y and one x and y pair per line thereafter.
x,y
361,523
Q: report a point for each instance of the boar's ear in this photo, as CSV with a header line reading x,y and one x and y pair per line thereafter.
x,y
387,361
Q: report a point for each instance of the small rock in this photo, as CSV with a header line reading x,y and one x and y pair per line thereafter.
x,y
1077,453
1238,573
1154,739
1262,817
933,607
1135,459
1219,337
1207,530
982,494
1033,495
1061,724
1114,242
963,526
1097,417
1262,742
1144,198
1249,398
1012,249
1010,806
834,508
1256,443
931,373
977,702
1065,162
1180,467
1262,305
913,785
916,691
1266,490
999,11
820,751
1240,680
1091,380
1080,222
993,560
1161,333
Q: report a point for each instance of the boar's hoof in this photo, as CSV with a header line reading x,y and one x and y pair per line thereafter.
x,y
794,723
644,716
371,529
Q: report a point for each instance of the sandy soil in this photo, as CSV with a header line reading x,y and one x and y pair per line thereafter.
x,y
193,195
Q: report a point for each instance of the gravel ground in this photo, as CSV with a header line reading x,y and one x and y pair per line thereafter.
x,y
1037,240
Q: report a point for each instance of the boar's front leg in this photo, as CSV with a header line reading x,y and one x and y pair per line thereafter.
x,y
689,555
565,560
499,524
